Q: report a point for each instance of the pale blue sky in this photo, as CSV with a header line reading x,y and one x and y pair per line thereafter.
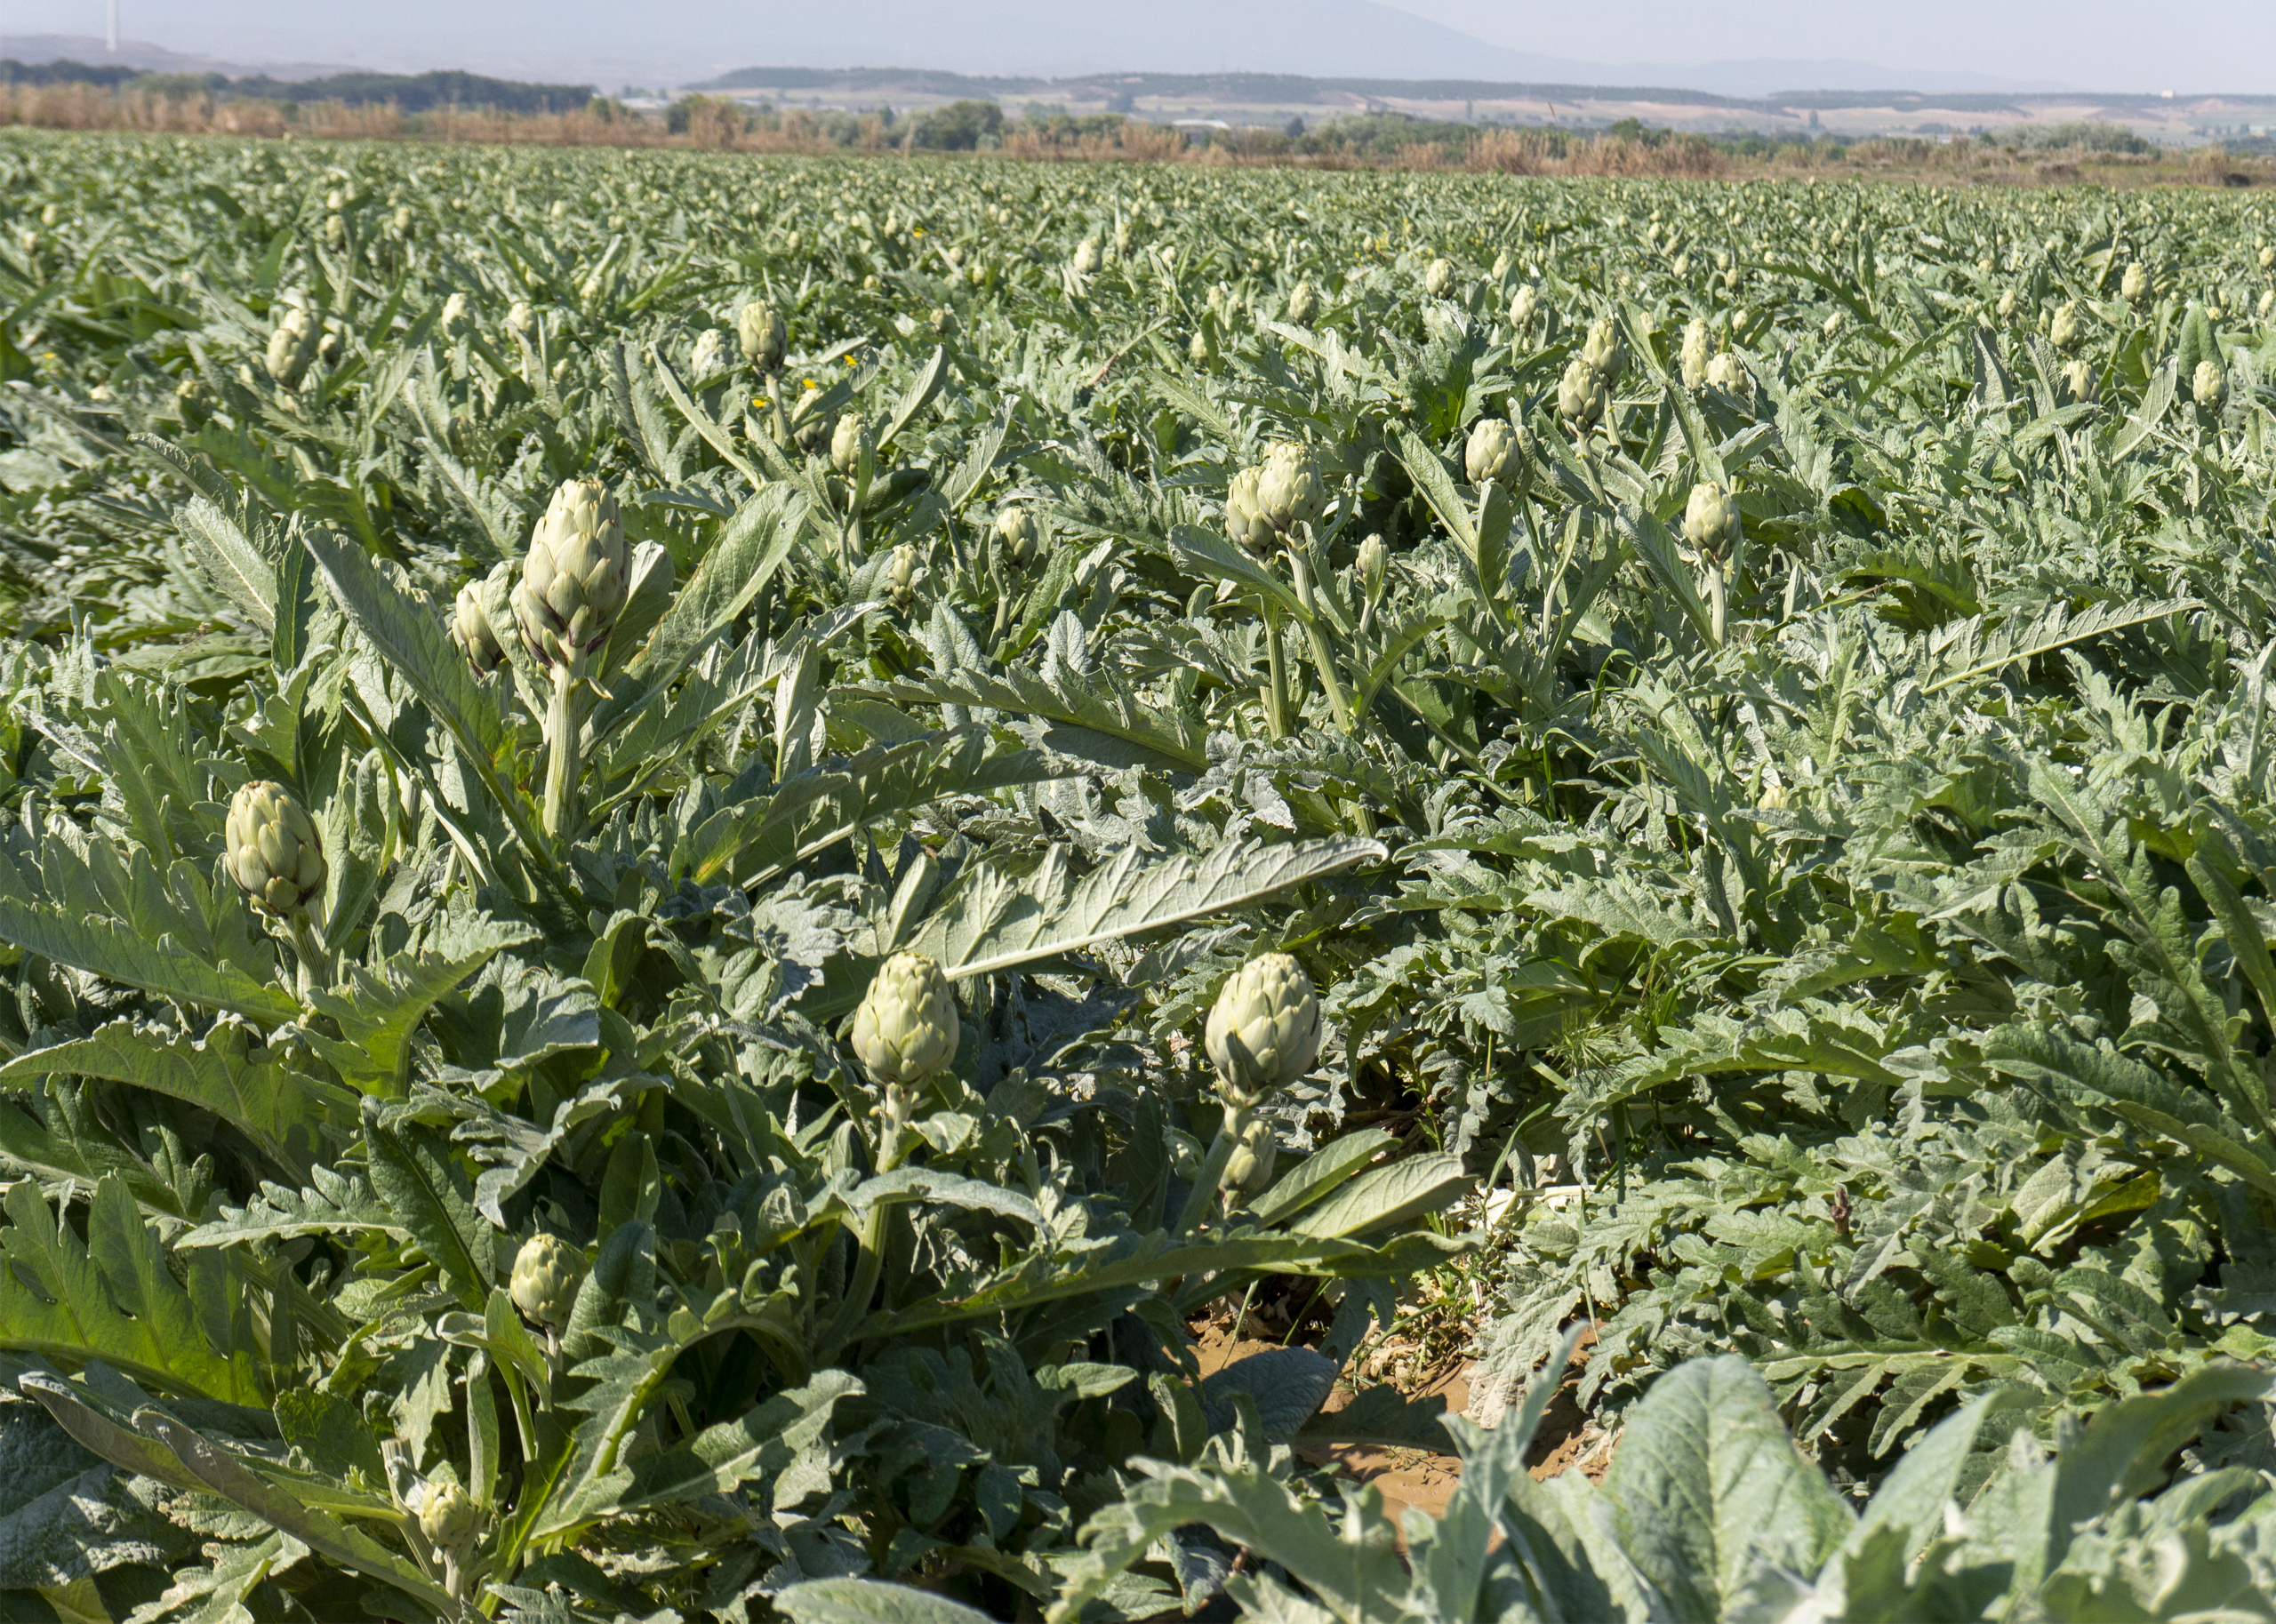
x,y
2188,46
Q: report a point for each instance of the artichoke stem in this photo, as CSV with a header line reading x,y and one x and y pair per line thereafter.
x,y
872,1239
1323,657
1203,1197
307,948
1276,695
561,725
1716,600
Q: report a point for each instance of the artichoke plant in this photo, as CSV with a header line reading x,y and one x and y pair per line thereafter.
x,y
574,581
1017,533
1439,278
1604,353
1525,307
2208,387
1288,488
1263,1032
292,347
764,339
1582,395
1491,452
1728,373
1244,520
1304,304
709,356
472,632
447,1517
1697,352
2134,287
2066,330
1710,520
849,444
1088,257
547,1275
906,1028
272,848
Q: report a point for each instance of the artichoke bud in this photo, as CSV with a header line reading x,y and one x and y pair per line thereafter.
x,y
1124,239
945,325
1197,349
1524,305
520,318
1087,257
1017,533
1732,279
1264,1030
710,355
271,849
401,222
848,444
906,1029
1710,519
1697,354
1725,374
456,313
1439,278
335,231
900,574
811,426
1244,520
292,347
1502,264
548,1271
2079,379
2008,305
2267,257
2209,387
447,1517
575,577
2135,285
1288,488
1375,565
1604,353
2065,330
759,330
1249,1169
1304,304
1492,453
2268,304
1581,394
471,630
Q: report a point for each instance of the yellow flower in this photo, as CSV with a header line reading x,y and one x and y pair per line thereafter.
x,y
812,384
917,231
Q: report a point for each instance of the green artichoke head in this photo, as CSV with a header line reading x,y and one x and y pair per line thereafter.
x,y
1197,349
292,347
457,312
1492,453
1249,1169
1288,488
1439,278
471,630
1581,395
446,1516
1017,533
547,1272
1244,520
1604,353
2067,329
1698,349
1375,566
1710,519
906,1029
1264,1030
1725,372
2267,257
520,318
272,849
847,444
575,576
1088,257
759,330
1304,303
710,355
1524,306
2208,387
2135,285
2079,379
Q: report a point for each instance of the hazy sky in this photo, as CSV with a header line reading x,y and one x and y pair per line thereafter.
x,y
2188,45
2105,45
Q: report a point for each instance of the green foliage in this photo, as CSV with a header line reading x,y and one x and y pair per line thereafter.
x,y
1849,937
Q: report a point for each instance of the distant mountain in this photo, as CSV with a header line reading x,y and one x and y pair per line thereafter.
x,y
680,41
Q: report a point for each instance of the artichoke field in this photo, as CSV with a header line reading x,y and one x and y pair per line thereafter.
x,y
696,849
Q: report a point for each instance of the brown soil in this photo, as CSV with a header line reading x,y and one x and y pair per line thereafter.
x,y
1567,1440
